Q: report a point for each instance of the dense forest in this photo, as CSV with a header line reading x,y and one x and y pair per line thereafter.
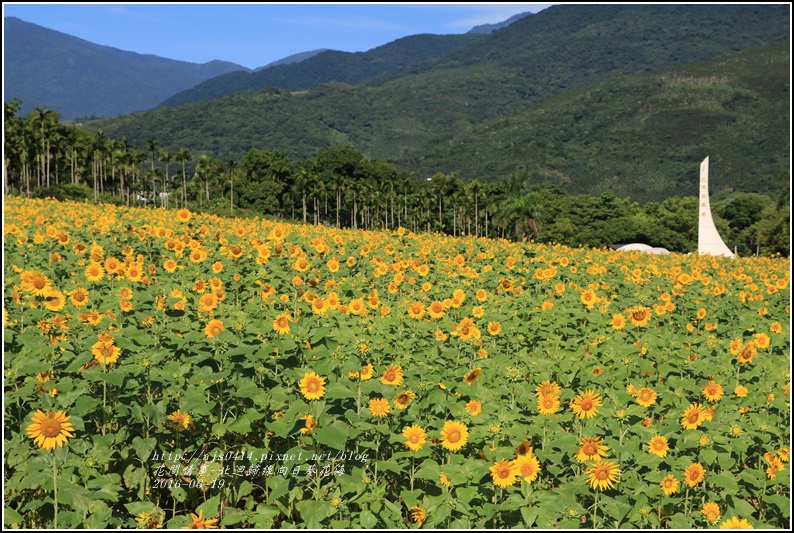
x,y
45,157
636,135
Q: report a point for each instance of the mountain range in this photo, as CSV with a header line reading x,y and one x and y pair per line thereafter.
x,y
77,78
619,98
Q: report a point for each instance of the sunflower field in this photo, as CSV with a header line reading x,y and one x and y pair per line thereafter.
x,y
180,370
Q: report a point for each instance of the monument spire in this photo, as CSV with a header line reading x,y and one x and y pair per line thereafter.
x,y
709,240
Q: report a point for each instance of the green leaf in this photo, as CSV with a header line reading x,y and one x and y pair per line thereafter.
x,y
314,512
11,518
367,519
529,514
726,481
333,436
144,447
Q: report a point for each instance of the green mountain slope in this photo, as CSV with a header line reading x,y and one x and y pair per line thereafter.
x,y
410,118
329,66
74,77
642,135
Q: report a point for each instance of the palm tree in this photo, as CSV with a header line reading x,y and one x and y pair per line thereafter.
x,y
43,122
230,166
166,157
183,155
152,148
474,190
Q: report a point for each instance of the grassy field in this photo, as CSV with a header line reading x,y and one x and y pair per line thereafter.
x,y
174,369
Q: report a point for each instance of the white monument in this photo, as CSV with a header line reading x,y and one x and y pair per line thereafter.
x,y
709,240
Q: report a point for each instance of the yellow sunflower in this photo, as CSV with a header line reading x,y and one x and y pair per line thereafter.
x,y
658,446
309,424
418,514
528,467
281,323
591,450
199,522
50,429
586,404
179,420
548,404
436,310
713,391
646,397
79,297
747,354
639,316
694,415
416,310
403,399
105,352
547,388
494,328
603,475
94,272
504,473
711,511
474,407
694,474
392,376
213,328
618,321
472,375
379,407
454,435
669,485
313,386
736,523
415,437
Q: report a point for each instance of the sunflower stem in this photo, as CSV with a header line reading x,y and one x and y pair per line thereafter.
x,y
413,470
55,490
595,511
104,400
686,502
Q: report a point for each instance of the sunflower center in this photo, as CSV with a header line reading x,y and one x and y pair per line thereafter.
x,y
590,449
639,315
602,474
414,438
453,436
586,404
312,386
504,473
693,417
50,427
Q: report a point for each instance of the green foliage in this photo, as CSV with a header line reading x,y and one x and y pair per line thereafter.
x,y
637,136
65,191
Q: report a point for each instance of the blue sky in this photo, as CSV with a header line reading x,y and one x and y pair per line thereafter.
x,y
254,35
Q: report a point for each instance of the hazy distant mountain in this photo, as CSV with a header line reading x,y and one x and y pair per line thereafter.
x,y
294,58
330,66
77,78
490,28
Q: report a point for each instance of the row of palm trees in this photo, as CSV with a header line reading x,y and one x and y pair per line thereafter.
x,y
339,187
